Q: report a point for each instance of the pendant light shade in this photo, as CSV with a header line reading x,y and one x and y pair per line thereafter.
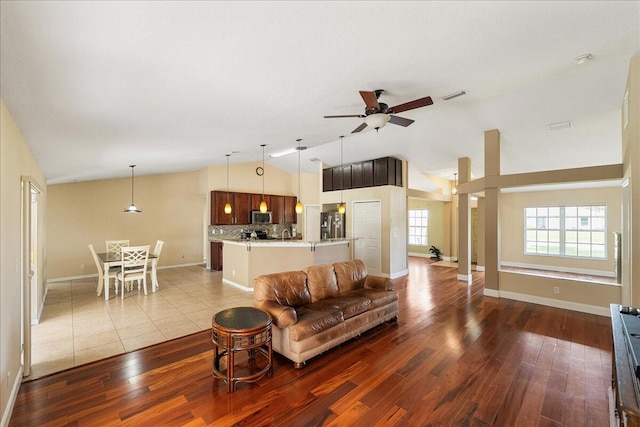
x,y
132,208
263,204
227,206
454,190
342,207
299,207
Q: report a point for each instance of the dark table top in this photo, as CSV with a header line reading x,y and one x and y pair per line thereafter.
x,y
239,318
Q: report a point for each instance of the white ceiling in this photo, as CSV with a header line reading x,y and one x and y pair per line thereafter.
x,y
173,86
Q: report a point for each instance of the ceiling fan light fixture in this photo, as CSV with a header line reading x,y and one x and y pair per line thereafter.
x,y
377,120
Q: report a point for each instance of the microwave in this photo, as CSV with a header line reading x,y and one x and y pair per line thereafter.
x,y
258,217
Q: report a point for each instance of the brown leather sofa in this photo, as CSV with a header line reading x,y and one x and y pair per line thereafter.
x,y
322,306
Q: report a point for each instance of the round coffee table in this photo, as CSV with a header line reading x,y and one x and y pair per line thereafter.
x,y
239,329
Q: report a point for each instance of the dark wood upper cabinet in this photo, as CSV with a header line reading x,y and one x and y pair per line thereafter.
x,y
290,215
327,179
277,209
242,208
369,173
346,177
218,200
356,175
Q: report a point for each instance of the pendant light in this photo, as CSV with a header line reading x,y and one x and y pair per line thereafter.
x,y
454,190
132,208
263,204
227,206
299,207
342,207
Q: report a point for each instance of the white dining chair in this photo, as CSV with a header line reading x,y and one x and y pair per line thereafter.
x,y
134,267
154,262
100,269
115,245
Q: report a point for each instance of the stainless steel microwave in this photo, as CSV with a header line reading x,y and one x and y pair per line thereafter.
x,y
258,217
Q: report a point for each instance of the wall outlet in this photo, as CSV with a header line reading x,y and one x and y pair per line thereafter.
x,y
556,290
8,380
221,231
81,266
233,273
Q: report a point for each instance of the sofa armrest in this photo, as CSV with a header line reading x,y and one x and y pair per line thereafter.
x,y
378,283
282,315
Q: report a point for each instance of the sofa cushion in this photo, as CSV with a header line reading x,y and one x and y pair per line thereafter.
x,y
314,321
377,298
321,282
350,275
350,306
288,288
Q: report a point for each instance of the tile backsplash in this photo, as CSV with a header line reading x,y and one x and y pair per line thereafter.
x,y
218,232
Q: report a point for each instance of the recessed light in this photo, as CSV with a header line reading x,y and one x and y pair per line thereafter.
x,y
584,58
560,125
454,95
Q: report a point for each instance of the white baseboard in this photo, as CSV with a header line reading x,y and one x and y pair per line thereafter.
x,y
419,254
550,302
13,394
399,274
237,285
479,267
95,275
450,258
602,273
465,278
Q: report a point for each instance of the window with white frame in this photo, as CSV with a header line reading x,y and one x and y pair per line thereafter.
x,y
574,231
419,227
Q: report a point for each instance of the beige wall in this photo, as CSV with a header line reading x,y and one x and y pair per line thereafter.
x,y
174,206
631,193
16,161
512,207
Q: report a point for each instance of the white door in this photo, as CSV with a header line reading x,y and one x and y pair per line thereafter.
x,y
311,223
367,229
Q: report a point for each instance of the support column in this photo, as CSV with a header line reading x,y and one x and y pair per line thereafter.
x,y
464,222
492,212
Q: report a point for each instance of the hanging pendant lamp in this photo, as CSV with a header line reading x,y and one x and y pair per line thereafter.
x,y
342,207
454,190
299,207
227,206
132,208
263,204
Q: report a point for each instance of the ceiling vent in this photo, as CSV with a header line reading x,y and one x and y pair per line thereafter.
x,y
454,95
560,125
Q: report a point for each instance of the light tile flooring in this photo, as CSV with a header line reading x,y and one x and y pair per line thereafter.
x,y
77,327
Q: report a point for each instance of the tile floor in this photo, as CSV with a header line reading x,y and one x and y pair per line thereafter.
x,y
77,327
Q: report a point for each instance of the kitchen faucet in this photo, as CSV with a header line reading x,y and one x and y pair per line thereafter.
x,y
287,231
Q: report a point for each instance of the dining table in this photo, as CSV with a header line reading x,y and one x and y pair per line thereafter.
x,y
114,259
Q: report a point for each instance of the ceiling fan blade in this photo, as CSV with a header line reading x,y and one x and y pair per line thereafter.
x,y
396,120
370,99
359,128
422,102
348,115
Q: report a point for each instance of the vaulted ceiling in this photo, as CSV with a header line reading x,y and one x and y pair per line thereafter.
x,y
174,86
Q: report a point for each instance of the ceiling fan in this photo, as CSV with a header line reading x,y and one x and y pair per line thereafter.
x,y
377,114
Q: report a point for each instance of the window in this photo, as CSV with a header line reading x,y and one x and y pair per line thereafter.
x,y
575,231
419,227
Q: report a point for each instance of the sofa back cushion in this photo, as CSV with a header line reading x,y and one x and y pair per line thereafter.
x,y
287,288
350,275
321,281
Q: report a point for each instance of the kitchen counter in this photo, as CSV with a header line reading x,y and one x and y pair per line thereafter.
x,y
244,260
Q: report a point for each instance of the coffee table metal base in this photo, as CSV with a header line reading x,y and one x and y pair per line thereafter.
x,y
241,329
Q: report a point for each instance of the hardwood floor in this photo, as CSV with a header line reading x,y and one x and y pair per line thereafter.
x,y
455,357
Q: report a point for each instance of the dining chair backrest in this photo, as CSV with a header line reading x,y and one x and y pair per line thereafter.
x,y
134,258
115,245
158,249
95,258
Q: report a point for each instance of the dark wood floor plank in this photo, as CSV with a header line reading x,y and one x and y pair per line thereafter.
x,y
454,357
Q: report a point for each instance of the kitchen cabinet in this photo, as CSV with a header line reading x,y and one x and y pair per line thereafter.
x,y
277,209
369,173
240,208
257,198
216,256
290,215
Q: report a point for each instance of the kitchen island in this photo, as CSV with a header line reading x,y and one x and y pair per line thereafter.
x,y
244,260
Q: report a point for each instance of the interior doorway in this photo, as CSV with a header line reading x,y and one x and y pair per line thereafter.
x,y
367,229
